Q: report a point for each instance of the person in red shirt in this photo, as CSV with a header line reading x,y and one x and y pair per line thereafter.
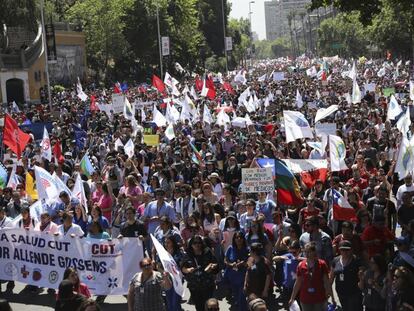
x,y
312,282
308,211
349,235
357,181
376,237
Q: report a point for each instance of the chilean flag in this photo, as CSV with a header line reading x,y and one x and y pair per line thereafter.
x,y
342,210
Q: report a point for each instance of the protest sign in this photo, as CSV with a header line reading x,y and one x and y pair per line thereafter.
x,y
278,76
325,129
257,180
118,103
152,140
388,91
370,87
40,259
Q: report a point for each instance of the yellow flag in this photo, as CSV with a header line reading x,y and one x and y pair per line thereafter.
x,y
152,140
30,187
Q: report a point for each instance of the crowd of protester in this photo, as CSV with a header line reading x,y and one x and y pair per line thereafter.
x,y
244,247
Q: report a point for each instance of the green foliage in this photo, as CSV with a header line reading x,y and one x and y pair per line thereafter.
x,y
58,88
239,30
215,64
103,22
343,35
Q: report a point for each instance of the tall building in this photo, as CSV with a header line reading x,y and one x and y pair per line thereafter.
x,y
276,16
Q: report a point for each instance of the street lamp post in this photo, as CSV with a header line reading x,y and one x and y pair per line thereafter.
x,y
251,32
224,34
45,52
159,41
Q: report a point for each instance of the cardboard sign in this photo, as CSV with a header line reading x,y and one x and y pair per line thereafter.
x,y
118,103
152,140
257,180
278,76
325,129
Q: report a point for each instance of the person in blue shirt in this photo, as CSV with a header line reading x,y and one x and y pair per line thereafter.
x,y
96,232
156,209
235,271
96,216
290,262
265,206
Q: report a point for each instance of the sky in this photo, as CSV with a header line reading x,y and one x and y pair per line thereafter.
x,y
240,8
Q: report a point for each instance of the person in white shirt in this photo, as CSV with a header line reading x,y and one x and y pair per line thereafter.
x,y
68,227
5,222
26,221
46,225
407,187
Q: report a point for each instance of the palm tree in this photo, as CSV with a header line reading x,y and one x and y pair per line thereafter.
x,y
302,17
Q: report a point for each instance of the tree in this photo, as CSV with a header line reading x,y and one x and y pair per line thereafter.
x,y
103,22
343,35
239,30
19,13
178,21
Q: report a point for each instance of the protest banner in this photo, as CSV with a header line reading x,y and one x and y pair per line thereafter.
x,y
257,180
325,129
152,140
40,259
278,76
388,91
118,103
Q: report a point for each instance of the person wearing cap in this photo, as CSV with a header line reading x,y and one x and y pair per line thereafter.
x,y
156,209
404,256
344,272
376,237
218,186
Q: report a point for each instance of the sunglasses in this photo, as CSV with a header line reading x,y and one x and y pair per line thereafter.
x,y
146,265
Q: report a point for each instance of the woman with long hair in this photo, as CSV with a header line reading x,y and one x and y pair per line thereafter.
x,y
209,219
132,191
208,194
71,274
229,197
96,216
235,268
199,267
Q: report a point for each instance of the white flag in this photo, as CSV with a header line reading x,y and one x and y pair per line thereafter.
x,y
118,143
169,132
45,145
129,110
412,90
15,108
207,115
405,160
222,118
324,112
83,97
158,118
193,93
404,122
79,193
356,93
318,94
353,73
172,115
61,186
169,266
337,153
394,109
46,186
296,126
204,90
129,148
262,78
170,81
299,101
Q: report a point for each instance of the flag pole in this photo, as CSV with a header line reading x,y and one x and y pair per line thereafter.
x,y
224,35
159,41
45,52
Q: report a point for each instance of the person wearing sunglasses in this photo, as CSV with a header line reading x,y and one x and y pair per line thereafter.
x,y
145,289
199,267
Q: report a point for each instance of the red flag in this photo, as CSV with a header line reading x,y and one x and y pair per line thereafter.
x,y
57,152
309,178
227,86
198,84
14,137
211,88
93,106
323,77
117,88
158,84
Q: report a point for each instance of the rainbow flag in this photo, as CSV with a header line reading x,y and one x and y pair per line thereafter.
x,y
3,176
87,166
288,191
